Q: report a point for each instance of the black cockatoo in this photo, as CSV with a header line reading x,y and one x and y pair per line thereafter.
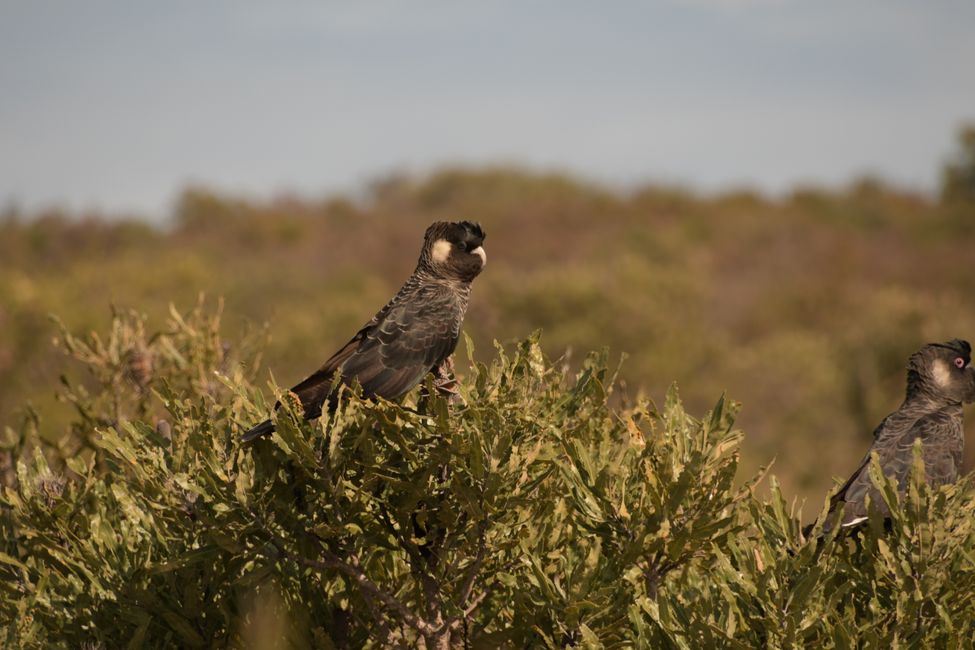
x,y
414,334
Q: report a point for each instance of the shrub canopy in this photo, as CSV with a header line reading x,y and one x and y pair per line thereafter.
x,y
544,511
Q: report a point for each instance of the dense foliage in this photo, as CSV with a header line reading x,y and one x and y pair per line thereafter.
x,y
537,513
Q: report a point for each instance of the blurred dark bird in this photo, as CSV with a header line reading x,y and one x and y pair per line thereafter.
x,y
939,380
414,334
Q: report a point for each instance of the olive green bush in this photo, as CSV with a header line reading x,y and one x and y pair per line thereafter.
x,y
536,513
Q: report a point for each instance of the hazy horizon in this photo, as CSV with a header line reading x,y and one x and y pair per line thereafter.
x,y
117,107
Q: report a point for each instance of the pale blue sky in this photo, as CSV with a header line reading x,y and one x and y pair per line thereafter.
x,y
118,105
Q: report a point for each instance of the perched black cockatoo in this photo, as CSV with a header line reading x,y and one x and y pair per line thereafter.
x,y
414,334
939,381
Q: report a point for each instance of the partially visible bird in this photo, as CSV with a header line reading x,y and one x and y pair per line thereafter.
x,y
414,334
939,380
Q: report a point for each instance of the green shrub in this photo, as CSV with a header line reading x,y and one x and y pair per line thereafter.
x,y
535,514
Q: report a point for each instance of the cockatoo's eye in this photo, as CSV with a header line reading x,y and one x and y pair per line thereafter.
x,y
959,362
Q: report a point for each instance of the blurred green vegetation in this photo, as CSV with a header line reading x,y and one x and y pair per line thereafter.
x,y
804,307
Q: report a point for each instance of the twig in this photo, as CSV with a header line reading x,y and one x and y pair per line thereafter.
x,y
383,634
478,599
465,592
331,562
457,621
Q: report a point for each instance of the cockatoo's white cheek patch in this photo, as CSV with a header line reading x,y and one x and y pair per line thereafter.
x,y
441,251
941,373
479,251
